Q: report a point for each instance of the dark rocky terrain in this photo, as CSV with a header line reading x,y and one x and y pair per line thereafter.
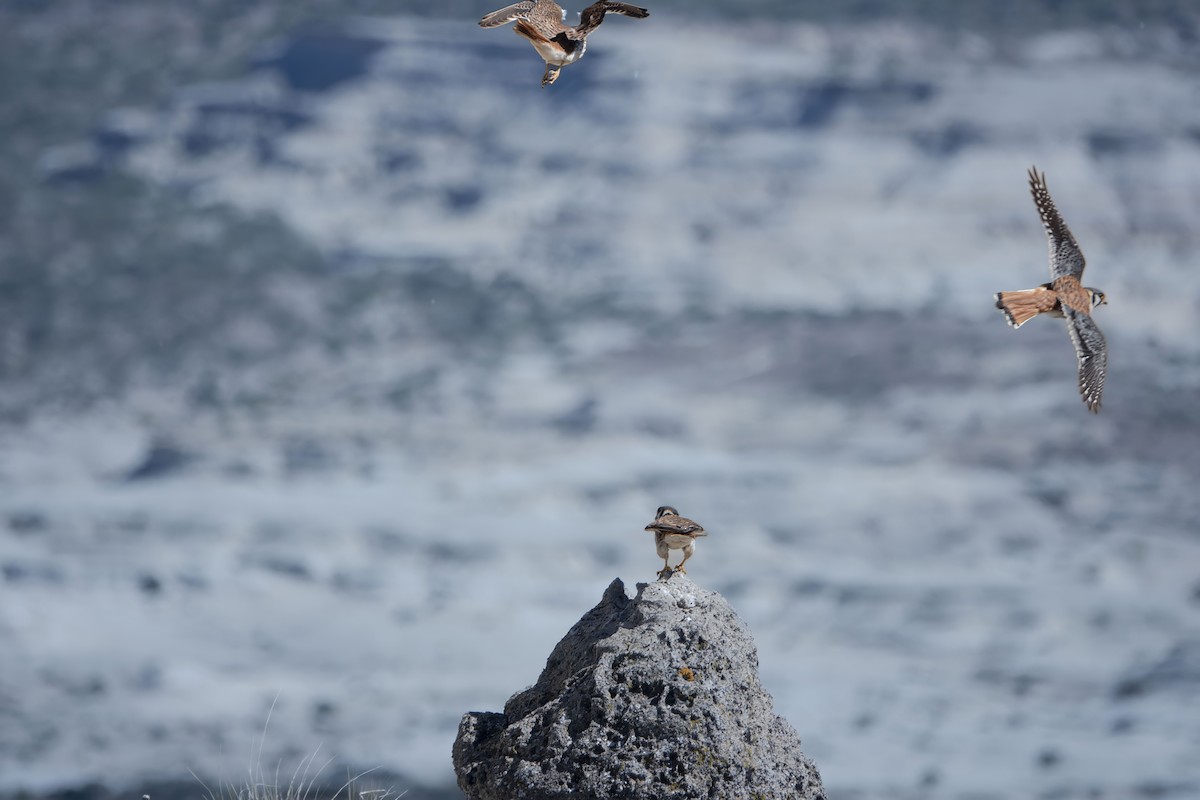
x,y
652,696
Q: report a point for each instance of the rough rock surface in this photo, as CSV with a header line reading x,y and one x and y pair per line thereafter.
x,y
655,697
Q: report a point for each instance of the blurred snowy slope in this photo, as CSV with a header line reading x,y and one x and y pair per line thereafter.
x,y
353,374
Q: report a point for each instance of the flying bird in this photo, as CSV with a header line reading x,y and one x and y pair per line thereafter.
x,y
541,22
673,532
1064,296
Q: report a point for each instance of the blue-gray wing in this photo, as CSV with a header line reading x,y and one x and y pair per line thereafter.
x,y
1092,353
1065,256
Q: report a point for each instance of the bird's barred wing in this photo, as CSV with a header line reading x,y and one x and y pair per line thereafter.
x,y
1065,256
628,9
505,15
591,17
682,525
1092,352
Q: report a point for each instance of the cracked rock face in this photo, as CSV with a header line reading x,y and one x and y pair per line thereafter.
x,y
655,697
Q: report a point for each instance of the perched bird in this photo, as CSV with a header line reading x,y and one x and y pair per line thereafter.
x,y
541,22
673,532
1064,296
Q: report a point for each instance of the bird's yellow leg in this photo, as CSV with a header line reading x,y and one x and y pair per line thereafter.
x,y
680,568
666,570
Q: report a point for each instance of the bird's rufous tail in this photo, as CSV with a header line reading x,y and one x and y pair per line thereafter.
x,y
1023,305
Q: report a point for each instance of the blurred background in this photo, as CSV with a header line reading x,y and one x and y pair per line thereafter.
x,y
341,366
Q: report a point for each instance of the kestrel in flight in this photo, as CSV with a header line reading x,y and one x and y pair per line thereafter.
x,y
673,532
1064,296
541,22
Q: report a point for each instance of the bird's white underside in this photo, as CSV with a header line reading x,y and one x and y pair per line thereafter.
x,y
553,54
666,542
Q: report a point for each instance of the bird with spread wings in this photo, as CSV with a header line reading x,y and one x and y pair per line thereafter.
x,y
542,23
1064,296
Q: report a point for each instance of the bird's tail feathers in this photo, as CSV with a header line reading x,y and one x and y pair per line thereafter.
x,y
1024,304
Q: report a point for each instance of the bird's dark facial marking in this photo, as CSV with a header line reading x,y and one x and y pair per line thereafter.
x,y
664,511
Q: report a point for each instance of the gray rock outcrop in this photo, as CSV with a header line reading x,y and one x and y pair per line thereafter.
x,y
655,697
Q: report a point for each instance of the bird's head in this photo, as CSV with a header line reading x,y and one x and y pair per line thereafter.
x,y
1098,297
664,511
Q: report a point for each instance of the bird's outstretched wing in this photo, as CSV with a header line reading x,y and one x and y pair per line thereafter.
x,y
1092,352
673,524
508,14
591,17
1065,256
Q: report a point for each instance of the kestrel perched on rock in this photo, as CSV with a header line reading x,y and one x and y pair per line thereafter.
x,y
1065,296
541,22
673,532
